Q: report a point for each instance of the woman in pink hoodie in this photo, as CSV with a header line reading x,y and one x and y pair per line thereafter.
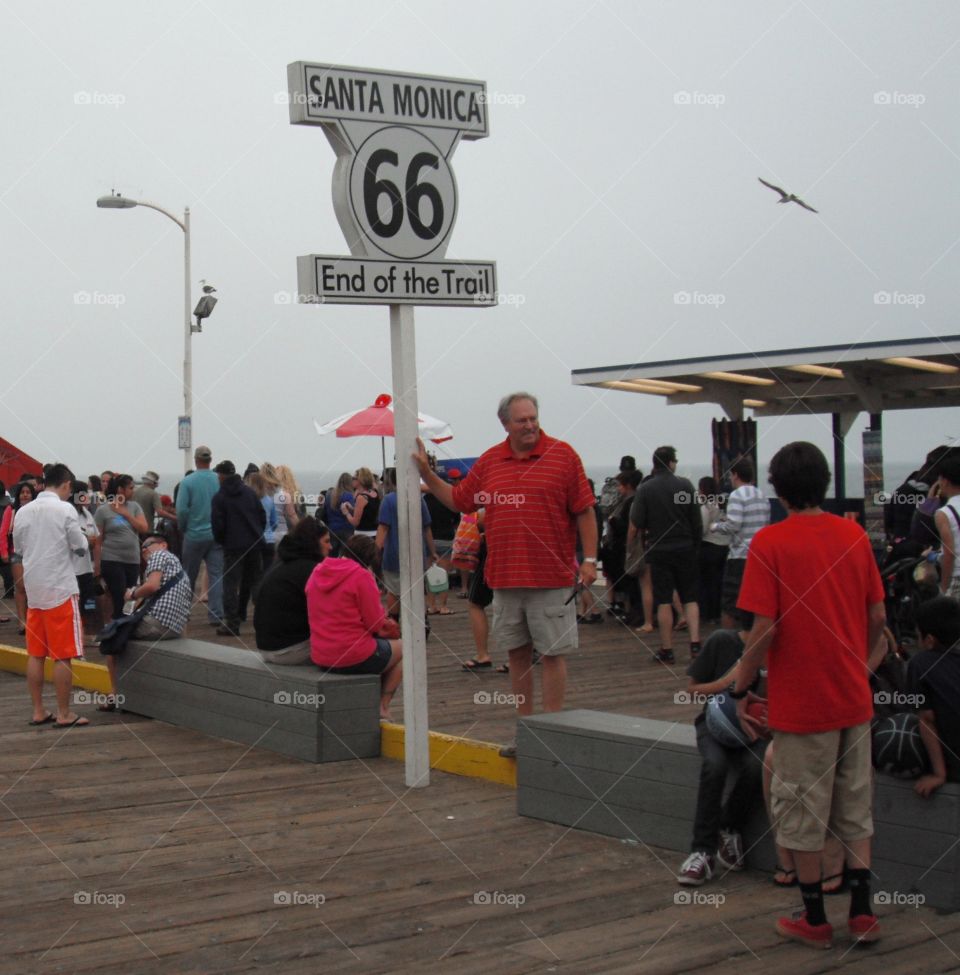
x,y
349,631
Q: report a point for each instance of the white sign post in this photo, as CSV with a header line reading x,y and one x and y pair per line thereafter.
x,y
395,197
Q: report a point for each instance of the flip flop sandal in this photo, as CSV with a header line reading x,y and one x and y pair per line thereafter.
x,y
107,706
5,619
839,889
45,720
474,664
78,722
791,875
446,612
503,669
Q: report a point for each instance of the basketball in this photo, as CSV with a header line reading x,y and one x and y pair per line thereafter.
x,y
897,747
722,723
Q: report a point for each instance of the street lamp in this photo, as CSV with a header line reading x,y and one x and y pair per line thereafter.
x,y
114,201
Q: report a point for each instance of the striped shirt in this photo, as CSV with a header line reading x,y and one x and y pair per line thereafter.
x,y
531,506
747,512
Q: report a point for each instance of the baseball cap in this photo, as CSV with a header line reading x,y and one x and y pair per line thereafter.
x,y
203,453
226,468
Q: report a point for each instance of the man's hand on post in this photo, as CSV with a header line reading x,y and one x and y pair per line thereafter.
x,y
421,459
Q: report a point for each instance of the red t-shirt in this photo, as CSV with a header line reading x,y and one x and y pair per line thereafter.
x,y
816,577
530,512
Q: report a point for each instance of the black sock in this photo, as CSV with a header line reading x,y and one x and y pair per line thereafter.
x,y
812,895
859,892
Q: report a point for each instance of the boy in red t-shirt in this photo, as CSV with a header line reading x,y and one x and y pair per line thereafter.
x,y
813,585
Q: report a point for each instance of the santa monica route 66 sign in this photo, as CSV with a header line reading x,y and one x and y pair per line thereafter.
x,y
394,192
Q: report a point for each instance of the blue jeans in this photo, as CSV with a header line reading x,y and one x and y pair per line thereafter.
x,y
208,551
713,813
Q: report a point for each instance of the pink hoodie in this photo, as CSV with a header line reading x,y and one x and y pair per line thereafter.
x,y
344,609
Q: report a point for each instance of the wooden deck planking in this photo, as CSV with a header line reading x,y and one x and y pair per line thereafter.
x,y
399,875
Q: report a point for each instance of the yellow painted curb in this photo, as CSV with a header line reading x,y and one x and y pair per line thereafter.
x,y
93,677
458,756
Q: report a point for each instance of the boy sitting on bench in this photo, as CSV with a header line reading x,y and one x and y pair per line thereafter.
x,y
934,676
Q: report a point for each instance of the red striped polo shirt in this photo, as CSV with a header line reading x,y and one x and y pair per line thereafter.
x,y
531,507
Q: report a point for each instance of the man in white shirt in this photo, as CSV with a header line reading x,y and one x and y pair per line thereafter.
x,y
747,512
47,537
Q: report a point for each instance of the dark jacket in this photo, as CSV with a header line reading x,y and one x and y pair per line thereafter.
x,y
236,516
280,613
666,508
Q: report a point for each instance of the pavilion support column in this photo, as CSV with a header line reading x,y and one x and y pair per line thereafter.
x,y
842,422
873,499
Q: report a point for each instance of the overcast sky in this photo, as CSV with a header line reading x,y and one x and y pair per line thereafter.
x,y
626,141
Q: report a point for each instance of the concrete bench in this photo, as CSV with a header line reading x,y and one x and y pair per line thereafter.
x,y
636,778
228,692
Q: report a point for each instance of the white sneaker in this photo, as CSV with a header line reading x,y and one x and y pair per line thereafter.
x,y
730,850
697,869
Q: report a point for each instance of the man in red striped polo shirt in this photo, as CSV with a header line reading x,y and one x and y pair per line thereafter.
x,y
536,498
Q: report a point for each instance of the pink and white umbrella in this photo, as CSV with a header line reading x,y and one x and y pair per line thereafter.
x,y
377,421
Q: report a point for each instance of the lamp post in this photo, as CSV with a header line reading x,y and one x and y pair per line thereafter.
x,y
114,201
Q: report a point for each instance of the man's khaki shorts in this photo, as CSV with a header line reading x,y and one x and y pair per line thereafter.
x,y
540,617
821,781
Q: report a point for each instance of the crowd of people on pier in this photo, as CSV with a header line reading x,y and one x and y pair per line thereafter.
x,y
797,607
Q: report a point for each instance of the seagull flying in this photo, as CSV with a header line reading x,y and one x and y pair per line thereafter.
x,y
787,197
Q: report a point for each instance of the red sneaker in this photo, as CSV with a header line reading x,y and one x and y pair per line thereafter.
x,y
864,928
798,928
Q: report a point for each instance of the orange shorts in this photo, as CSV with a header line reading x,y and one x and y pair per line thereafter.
x,y
57,632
